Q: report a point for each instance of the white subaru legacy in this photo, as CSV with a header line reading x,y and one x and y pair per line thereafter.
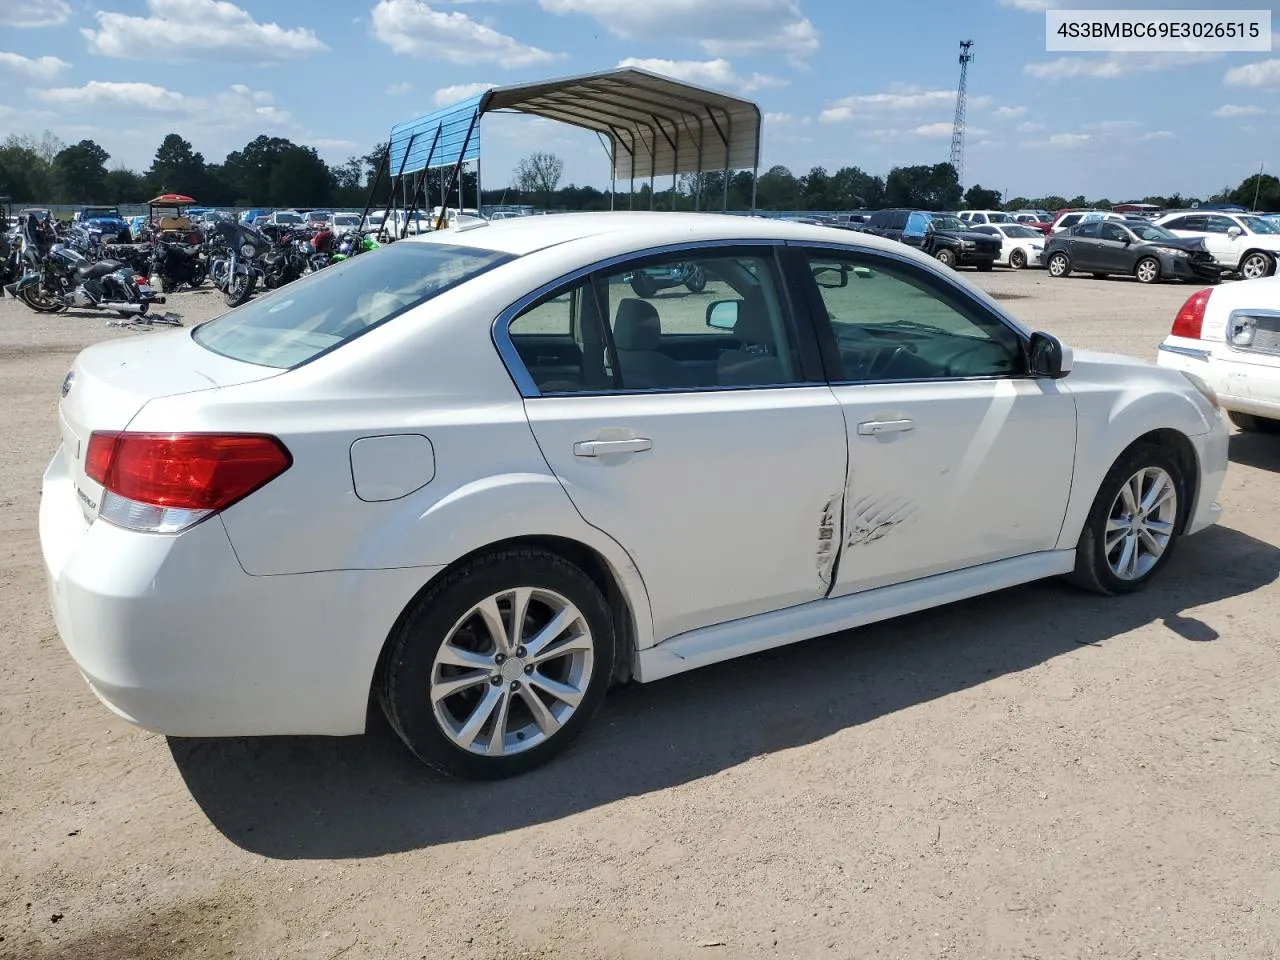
x,y
483,474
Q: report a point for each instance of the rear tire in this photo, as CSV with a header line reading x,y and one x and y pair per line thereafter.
x,y
444,641
1059,265
1251,423
643,285
1017,260
1114,527
1256,265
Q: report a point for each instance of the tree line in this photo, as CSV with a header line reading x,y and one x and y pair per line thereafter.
x,y
276,172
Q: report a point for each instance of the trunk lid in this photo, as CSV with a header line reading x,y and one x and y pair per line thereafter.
x,y
110,382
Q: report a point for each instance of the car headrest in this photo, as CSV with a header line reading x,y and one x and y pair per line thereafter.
x,y
753,323
637,327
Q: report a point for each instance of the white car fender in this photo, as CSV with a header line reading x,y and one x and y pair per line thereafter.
x,y
1108,421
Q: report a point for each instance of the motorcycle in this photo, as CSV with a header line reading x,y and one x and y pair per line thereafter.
x,y
174,263
58,277
648,281
353,243
235,267
284,262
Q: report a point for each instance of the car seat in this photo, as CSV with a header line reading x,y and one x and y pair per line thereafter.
x,y
637,333
756,361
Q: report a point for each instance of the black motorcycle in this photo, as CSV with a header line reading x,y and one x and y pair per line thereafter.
x,y
285,261
174,263
235,264
58,277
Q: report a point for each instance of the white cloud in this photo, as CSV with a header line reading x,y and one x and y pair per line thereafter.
x,y
778,118
234,107
1156,135
751,27
40,68
1029,127
1264,73
1008,113
1108,134
182,30
1113,126
1031,6
331,146
1070,141
707,73
459,91
398,88
934,130
898,99
1112,65
34,13
412,27
1232,110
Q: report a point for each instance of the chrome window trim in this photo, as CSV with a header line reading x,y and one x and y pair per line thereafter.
x,y
998,313
501,329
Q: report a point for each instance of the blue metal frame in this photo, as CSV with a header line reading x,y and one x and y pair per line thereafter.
x,y
451,130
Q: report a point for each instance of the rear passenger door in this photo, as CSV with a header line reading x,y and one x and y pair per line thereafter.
x,y
698,432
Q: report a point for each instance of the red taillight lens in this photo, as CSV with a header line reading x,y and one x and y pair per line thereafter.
x,y
189,471
1190,318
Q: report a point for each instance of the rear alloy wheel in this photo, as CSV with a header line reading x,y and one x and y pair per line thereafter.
x,y
946,257
500,665
643,285
1134,523
1059,265
1252,423
1255,265
1017,259
1147,270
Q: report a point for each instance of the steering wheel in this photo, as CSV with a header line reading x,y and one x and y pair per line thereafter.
x,y
883,362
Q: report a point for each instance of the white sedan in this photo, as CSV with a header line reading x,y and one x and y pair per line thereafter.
x,y
1019,246
1229,337
473,475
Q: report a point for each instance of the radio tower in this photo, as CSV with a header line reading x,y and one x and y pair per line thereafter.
x,y
957,128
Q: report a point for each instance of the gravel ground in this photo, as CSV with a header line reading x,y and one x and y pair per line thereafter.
x,y
1036,774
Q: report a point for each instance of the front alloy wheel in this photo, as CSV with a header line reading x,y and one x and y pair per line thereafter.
x,y
1059,265
1148,270
499,664
1255,265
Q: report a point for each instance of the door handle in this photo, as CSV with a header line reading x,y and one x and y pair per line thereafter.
x,y
873,428
604,448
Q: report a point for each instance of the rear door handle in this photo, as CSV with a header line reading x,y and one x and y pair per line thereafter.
x,y
604,448
873,428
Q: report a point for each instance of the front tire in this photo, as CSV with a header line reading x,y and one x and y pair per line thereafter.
x,y
240,285
1147,270
1059,265
1252,423
1134,524
946,257
1255,266
643,285
41,303
498,666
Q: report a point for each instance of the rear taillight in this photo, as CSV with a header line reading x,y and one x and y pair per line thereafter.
x,y
1190,318
165,482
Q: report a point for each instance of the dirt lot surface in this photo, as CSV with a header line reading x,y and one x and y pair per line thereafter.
x,y
1035,774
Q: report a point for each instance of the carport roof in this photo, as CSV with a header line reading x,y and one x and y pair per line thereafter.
x,y
656,126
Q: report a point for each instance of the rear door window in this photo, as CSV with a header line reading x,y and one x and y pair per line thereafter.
x,y
319,313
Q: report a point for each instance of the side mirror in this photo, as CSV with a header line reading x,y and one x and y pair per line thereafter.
x,y
1126,240
1048,357
832,278
722,314
1234,232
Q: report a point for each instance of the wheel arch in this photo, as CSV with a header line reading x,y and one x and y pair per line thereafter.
x,y
627,623
1179,446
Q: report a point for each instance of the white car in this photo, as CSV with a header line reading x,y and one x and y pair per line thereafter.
x,y
477,477
286,218
975,217
1229,337
345,223
1239,241
1019,246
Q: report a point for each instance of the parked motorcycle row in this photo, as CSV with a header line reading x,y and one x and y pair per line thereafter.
x,y
51,266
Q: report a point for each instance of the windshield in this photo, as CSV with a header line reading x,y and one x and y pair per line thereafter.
x,y
92,213
1259,225
1022,233
346,219
1150,232
318,313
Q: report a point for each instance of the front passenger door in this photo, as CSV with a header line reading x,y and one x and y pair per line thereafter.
x,y
956,456
1084,246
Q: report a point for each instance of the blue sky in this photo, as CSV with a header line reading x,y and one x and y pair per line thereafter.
x,y
859,82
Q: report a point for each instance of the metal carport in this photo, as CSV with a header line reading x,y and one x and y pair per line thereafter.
x,y
650,126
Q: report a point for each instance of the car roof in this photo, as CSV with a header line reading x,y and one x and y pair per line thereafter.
x,y
521,235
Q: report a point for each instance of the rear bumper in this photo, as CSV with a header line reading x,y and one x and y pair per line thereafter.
x,y
1241,386
173,635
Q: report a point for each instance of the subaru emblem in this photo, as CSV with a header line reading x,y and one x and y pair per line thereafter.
x,y
68,382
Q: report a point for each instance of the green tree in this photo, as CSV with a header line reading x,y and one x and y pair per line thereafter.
x,y
1264,187
126,186
299,178
924,187
25,174
854,189
815,190
80,173
979,197
778,189
539,173
178,169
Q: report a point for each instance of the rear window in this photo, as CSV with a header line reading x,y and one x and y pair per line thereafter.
x,y
319,313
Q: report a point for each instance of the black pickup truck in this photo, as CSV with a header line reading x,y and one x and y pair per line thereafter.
x,y
944,237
